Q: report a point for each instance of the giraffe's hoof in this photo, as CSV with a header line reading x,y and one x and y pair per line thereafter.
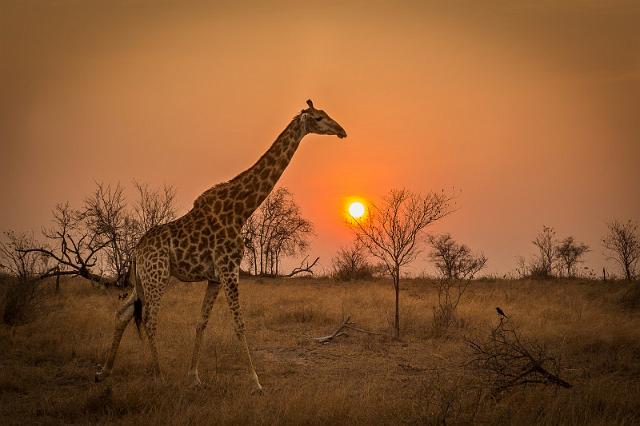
x,y
258,391
195,380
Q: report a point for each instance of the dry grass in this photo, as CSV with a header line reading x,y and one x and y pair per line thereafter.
x,y
47,367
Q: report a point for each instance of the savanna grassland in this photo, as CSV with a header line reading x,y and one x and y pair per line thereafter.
x,y
593,328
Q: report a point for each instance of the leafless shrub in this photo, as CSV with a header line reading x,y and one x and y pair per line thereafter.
x,y
450,293
351,263
546,243
505,360
533,268
22,301
106,216
22,296
16,260
522,267
623,244
453,260
569,253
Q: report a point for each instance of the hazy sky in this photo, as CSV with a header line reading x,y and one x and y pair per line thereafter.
x,y
530,108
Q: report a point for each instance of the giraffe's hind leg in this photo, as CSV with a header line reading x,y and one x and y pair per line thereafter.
x,y
150,324
123,317
209,298
154,276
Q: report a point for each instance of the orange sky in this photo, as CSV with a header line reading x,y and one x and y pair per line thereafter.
x,y
530,109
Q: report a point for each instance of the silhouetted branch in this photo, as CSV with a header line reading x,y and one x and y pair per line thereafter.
x,y
303,268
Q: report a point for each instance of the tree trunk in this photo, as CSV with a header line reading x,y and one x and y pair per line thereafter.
x,y
255,261
261,258
396,285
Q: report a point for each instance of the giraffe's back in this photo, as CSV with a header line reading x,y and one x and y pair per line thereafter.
x,y
187,244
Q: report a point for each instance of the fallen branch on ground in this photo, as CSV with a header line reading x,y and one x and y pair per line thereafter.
x,y
505,360
346,324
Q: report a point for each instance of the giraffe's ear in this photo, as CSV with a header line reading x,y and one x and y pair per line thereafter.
x,y
309,103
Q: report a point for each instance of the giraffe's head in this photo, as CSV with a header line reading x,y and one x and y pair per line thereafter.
x,y
318,122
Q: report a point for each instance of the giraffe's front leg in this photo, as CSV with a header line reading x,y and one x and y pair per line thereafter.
x,y
229,278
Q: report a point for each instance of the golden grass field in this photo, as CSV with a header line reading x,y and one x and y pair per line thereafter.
x,y
47,365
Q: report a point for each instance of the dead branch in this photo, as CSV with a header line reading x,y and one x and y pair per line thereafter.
x,y
303,268
80,269
336,333
362,330
505,360
346,324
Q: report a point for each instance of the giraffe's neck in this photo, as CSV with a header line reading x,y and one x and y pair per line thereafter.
x,y
251,187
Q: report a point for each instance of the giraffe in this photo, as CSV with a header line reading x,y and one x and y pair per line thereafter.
x,y
205,245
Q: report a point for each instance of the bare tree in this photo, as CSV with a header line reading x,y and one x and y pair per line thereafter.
x,y
275,230
546,243
453,260
117,227
106,215
102,234
623,246
390,231
569,253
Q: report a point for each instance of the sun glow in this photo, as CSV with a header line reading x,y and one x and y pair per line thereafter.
x,y
356,209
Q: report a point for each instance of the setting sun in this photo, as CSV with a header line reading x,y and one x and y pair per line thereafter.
x,y
356,209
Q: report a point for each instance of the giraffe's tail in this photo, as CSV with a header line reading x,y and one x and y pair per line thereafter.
x,y
137,315
138,295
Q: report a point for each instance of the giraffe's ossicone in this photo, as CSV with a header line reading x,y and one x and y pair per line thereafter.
x,y
205,244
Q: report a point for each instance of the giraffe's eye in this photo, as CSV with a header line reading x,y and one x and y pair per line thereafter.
x,y
318,118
